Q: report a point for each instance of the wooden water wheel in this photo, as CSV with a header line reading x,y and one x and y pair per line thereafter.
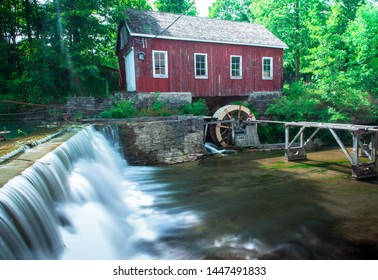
x,y
223,132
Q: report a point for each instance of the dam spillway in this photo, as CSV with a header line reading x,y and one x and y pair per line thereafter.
x,y
78,202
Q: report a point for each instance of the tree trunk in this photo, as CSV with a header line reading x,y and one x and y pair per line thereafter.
x,y
297,34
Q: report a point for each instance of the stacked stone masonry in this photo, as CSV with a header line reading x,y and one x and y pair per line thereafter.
x,y
170,141
89,107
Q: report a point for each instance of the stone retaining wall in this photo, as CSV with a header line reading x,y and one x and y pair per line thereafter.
x,y
147,99
261,100
89,107
165,141
82,107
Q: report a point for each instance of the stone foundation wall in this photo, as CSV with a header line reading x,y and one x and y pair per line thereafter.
x,y
156,142
261,100
89,107
147,99
82,107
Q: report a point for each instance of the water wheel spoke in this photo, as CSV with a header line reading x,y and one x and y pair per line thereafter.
x,y
228,114
226,131
222,133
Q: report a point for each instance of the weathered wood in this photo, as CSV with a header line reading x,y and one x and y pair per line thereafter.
x,y
181,76
341,144
300,133
359,170
312,136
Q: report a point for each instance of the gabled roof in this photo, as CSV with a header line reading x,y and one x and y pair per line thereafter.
x,y
191,28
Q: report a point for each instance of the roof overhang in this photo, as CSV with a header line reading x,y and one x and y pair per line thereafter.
x,y
202,40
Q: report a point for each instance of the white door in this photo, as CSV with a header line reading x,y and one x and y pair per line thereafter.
x,y
130,71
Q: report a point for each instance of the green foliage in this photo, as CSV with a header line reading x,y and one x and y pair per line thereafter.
x,y
158,109
121,110
176,6
235,10
198,108
361,38
53,49
126,109
19,131
339,102
298,103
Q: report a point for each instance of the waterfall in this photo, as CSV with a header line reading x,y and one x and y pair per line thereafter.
x,y
212,149
81,201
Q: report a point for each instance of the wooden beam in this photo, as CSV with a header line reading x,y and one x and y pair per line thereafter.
x,y
312,136
365,150
300,133
342,146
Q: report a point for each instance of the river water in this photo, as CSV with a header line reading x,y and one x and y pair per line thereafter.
x,y
256,205
90,204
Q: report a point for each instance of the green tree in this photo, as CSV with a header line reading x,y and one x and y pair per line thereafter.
x,y
56,48
361,38
176,6
235,10
288,20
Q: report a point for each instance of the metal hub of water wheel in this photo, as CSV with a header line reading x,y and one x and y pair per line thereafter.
x,y
231,119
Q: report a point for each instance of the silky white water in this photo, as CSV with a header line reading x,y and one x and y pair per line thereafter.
x,y
83,201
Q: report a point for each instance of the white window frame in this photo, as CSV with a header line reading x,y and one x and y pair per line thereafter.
x,y
240,69
158,75
195,66
270,77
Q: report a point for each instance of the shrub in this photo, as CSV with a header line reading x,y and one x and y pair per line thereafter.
x,y
121,110
198,108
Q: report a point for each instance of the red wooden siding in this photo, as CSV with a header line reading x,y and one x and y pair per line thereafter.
x,y
181,68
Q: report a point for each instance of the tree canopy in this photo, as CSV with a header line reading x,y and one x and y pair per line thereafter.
x,y
187,7
59,48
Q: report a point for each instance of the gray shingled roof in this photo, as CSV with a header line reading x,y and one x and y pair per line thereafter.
x,y
191,28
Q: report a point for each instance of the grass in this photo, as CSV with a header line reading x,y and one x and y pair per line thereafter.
x,y
303,165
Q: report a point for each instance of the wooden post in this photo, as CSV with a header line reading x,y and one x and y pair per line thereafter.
x,y
356,138
373,149
287,136
294,153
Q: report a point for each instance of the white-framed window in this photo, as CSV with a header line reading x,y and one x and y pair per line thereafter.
x,y
236,71
267,68
160,64
200,66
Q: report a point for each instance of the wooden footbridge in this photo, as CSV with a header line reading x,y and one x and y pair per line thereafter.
x,y
361,169
239,123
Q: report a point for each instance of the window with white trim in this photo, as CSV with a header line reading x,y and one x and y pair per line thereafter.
x,y
267,68
236,67
200,66
160,64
